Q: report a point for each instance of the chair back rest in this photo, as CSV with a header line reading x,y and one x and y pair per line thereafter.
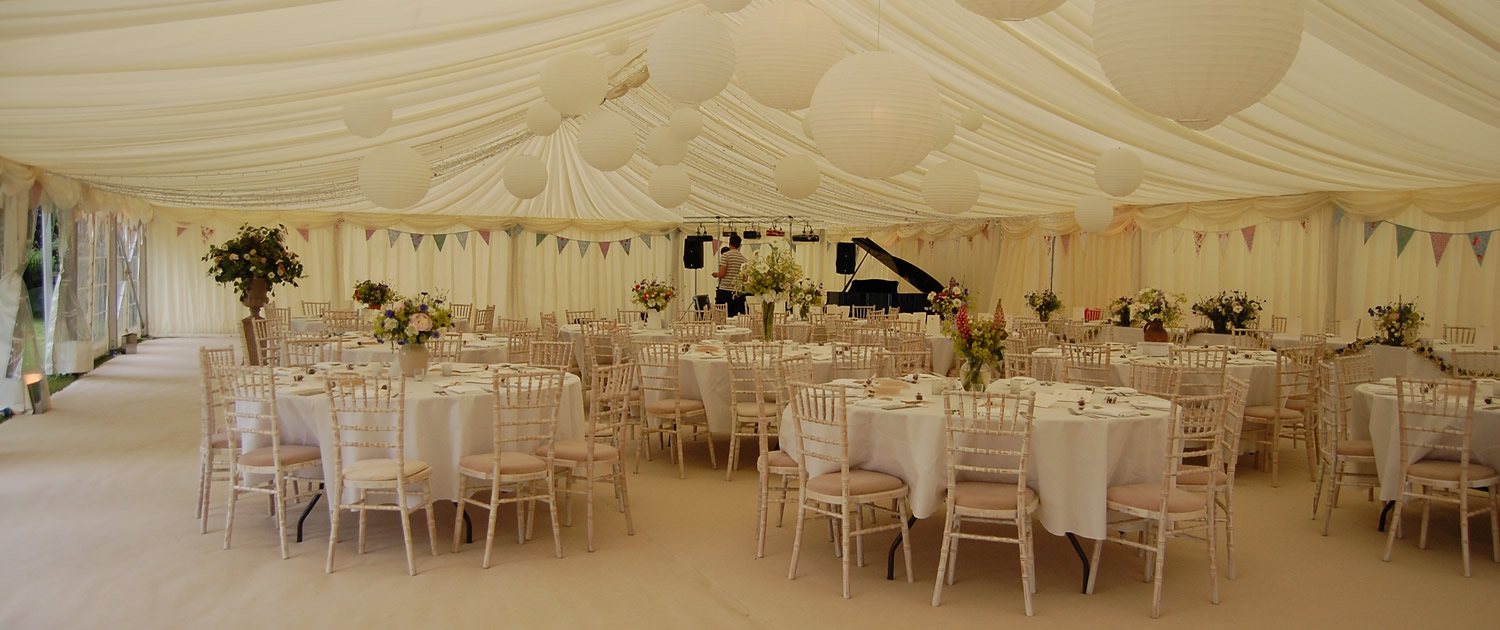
x,y
1331,409
367,415
623,345
578,317
445,347
1203,369
693,331
626,317
1278,324
1086,364
609,405
790,370
1250,338
282,313
1017,364
518,344
1034,336
988,436
855,361
461,311
1081,332
752,367
249,403
211,396
506,324
313,350
1236,397
819,413
660,366
1295,372
483,320
1163,380
897,363
525,412
1462,335
1477,363
313,309
719,314
1436,415
270,339
1195,432
553,355
339,321
860,312
865,336
1311,339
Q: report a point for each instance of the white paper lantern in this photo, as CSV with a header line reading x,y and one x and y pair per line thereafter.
x,y
525,176
617,45
664,147
1094,213
368,118
782,51
972,119
951,187
670,186
606,140
807,127
574,83
1200,125
394,176
691,57
944,135
1196,61
686,122
542,119
1011,10
797,176
726,6
1119,172
875,114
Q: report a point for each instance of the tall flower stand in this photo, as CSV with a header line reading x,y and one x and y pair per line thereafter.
x,y
256,298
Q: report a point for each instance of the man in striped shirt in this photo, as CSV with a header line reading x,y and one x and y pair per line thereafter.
x,y
729,277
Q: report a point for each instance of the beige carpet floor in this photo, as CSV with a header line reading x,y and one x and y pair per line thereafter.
x,y
98,531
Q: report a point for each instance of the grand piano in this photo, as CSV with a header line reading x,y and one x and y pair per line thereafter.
x,y
884,293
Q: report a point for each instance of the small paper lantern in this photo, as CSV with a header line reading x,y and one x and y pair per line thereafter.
x,y
951,187
664,147
574,83
606,140
944,134
394,176
368,118
686,122
617,45
782,51
670,186
691,57
972,119
525,176
1011,10
807,127
1119,172
726,6
542,119
1094,213
1196,61
797,176
875,114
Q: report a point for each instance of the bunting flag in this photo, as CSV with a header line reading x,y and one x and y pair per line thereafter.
x,y
1276,233
1369,229
369,233
646,238
304,233
1047,240
512,231
604,249
1338,216
583,248
463,240
1249,233
393,235
1223,242
206,233
180,230
540,238
625,245
1480,241
1439,245
1403,237
1083,239
485,234
562,243
439,239
716,247
755,247
1067,240
1303,223
416,241
1198,242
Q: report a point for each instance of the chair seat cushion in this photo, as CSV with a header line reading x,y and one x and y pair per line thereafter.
x,y
1298,403
1202,476
634,395
985,495
860,482
1444,470
1268,412
382,469
219,440
776,459
1147,496
755,410
290,454
1357,448
510,463
577,451
672,406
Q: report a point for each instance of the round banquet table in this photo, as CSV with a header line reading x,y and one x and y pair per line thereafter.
x,y
440,428
1074,458
1258,368
363,348
704,374
573,333
1376,418
940,346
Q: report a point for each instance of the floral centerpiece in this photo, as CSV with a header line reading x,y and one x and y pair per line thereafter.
x,y
254,261
1044,303
947,302
1158,310
1397,324
806,294
374,294
654,295
981,344
1229,310
409,324
771,277
1119,310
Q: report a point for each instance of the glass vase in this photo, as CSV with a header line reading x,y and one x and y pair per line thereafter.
x,y
413,359
768,320
972,376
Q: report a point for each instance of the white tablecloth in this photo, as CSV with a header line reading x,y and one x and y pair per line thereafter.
x,y
573,333
1074,458
1258,369
1376,418
363,348
940,346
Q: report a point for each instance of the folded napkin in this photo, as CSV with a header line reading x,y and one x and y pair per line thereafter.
x,y
1114,412
1123,391
880,404
464,389
306,390
1157,404
1389,380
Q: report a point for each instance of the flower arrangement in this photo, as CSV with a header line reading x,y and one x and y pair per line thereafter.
x,y
806,294
653,294
1228,310
1397,324
374,294
980,342
771,276
1158,306
412,320
947,302
1044,303
256,252
1119,310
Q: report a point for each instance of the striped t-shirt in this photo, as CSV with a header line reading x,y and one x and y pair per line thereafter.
x,y
732,260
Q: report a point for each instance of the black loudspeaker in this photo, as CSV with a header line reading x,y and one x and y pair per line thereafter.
x,y
692,252
844,261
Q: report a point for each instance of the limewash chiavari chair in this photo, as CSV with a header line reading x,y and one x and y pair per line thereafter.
x,y
1342,460
1312,339
1462,335
483,320
598,347
836,329
1017,363
250,414
598,458
1156,379
518,345
445,348
719,314
1250,338
461,311
693,315
817,327
1203,369
553,355
578,317
822,428
860,312
669,414
1278,324
988,436
1220,482
787,370
692,332
310,351
270,340
506,325
1481,363
627,317
342,321
549,327
283,313
855,362
213,442
313,309
898,363
1086,364
525,411
1162,509
753,409
865,336
1268,424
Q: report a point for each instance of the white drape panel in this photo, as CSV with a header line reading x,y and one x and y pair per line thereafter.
x,y
1095,269
544,280
474,273
1025,265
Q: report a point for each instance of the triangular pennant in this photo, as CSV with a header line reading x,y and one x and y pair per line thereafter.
x,y
1480,241
1249,233
180,230
439,239
646,238
755,247
512,231
583,248
1403,236
625,244
1276,233
463,240
1067,240
393,235
416,241
716,247
369,233
206,233
1223,240
562,242
540,238
1370,229
1198,242
1303,223
1439,245
604,249
304,233
1338,216
485,234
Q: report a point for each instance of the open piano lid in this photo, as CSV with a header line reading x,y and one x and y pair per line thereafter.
x,y
913,274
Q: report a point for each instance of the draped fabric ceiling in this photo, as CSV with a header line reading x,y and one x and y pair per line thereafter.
x,y
174,108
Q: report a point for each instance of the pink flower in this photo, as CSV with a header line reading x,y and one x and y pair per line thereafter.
x,y
961,322
420,322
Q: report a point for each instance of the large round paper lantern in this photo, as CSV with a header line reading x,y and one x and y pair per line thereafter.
x,y
782,51
807,127
574,83
542,119
1196,61
1201,125
368,118
617,45
691,57
875,114
525,176
686,122
1094,213
797,176
951,187
944,135
726,6
606,140
670,186
394,176
972,119
664,147
1119,172
1011,10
